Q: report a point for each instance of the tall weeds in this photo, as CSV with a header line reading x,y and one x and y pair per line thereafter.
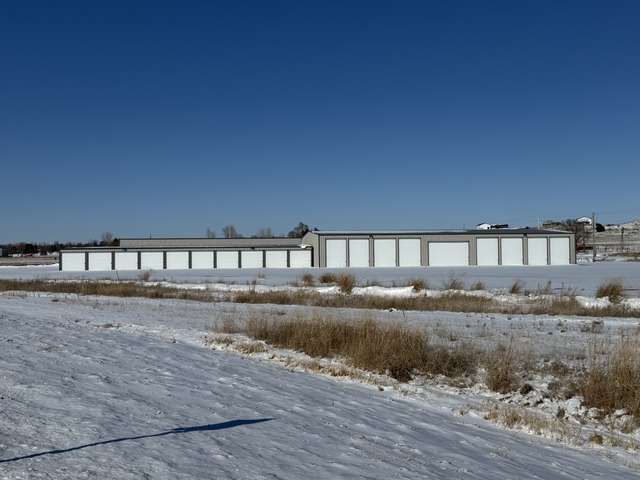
x,y
612,379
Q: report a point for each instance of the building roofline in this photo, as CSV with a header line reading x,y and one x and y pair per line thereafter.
x,y
496,231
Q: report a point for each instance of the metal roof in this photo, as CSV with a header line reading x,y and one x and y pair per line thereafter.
x,y
497,231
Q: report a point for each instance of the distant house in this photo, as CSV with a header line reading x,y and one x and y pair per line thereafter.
x,y
4,252
584,220
491,226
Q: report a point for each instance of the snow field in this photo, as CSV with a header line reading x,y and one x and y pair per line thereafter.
x,y
81,370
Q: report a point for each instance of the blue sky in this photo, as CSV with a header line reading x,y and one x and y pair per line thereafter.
x,y
165,118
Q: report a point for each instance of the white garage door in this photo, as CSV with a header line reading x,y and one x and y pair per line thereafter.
x,y
73,262
276,259
300,258
126,260
177,260
487,251
152,261
99,261
409,255
511,251
537,251
560,251
201,259
448,254
359,252
227,260
251,259
336,253
384,252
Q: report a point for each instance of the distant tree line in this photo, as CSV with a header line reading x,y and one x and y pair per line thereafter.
x,y
230,231
107,239
42,248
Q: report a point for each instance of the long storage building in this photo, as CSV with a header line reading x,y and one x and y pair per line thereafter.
x,y
332,249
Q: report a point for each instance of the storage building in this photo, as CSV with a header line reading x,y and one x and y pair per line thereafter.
x,y
332,249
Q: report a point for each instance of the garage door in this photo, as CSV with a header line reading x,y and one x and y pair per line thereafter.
x,y
126,260
202,260
487,251
251,259
276,259
560,251
152,261
177,260
448,254
99,261
512,251
537,251
227,259
336,253
73,262
359,252
409,252
384,252
300,258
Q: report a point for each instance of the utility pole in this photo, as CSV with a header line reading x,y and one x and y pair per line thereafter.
x,y
622,240
593,230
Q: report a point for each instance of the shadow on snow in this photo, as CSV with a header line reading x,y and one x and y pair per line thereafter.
x,y
200,428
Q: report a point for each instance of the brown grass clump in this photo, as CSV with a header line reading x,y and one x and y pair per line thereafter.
x,y
453,283
478,286
328,278
418,284
501,369
251,347
144,276
346,283
387,348
516,287
219,339
612,381
308,280
611,289
382,348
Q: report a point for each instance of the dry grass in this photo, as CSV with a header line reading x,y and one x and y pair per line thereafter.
x,y
308,280
478,286
219,339
328,278
514,417
418,284
453,283
501,366
392,349
144,276
251,347
346,283
611,289
113,289
612,380
450,302
516,287
454,302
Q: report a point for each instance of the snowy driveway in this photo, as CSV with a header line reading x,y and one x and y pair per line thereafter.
x,y
80,399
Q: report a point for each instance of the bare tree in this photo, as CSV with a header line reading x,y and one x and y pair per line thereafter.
x,y
298,231
211,233
107,238
264,233
230,231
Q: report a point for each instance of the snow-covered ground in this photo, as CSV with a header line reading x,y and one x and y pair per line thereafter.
x,y
584,278
116,388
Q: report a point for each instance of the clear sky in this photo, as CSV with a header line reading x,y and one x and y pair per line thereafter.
x,y
169,117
